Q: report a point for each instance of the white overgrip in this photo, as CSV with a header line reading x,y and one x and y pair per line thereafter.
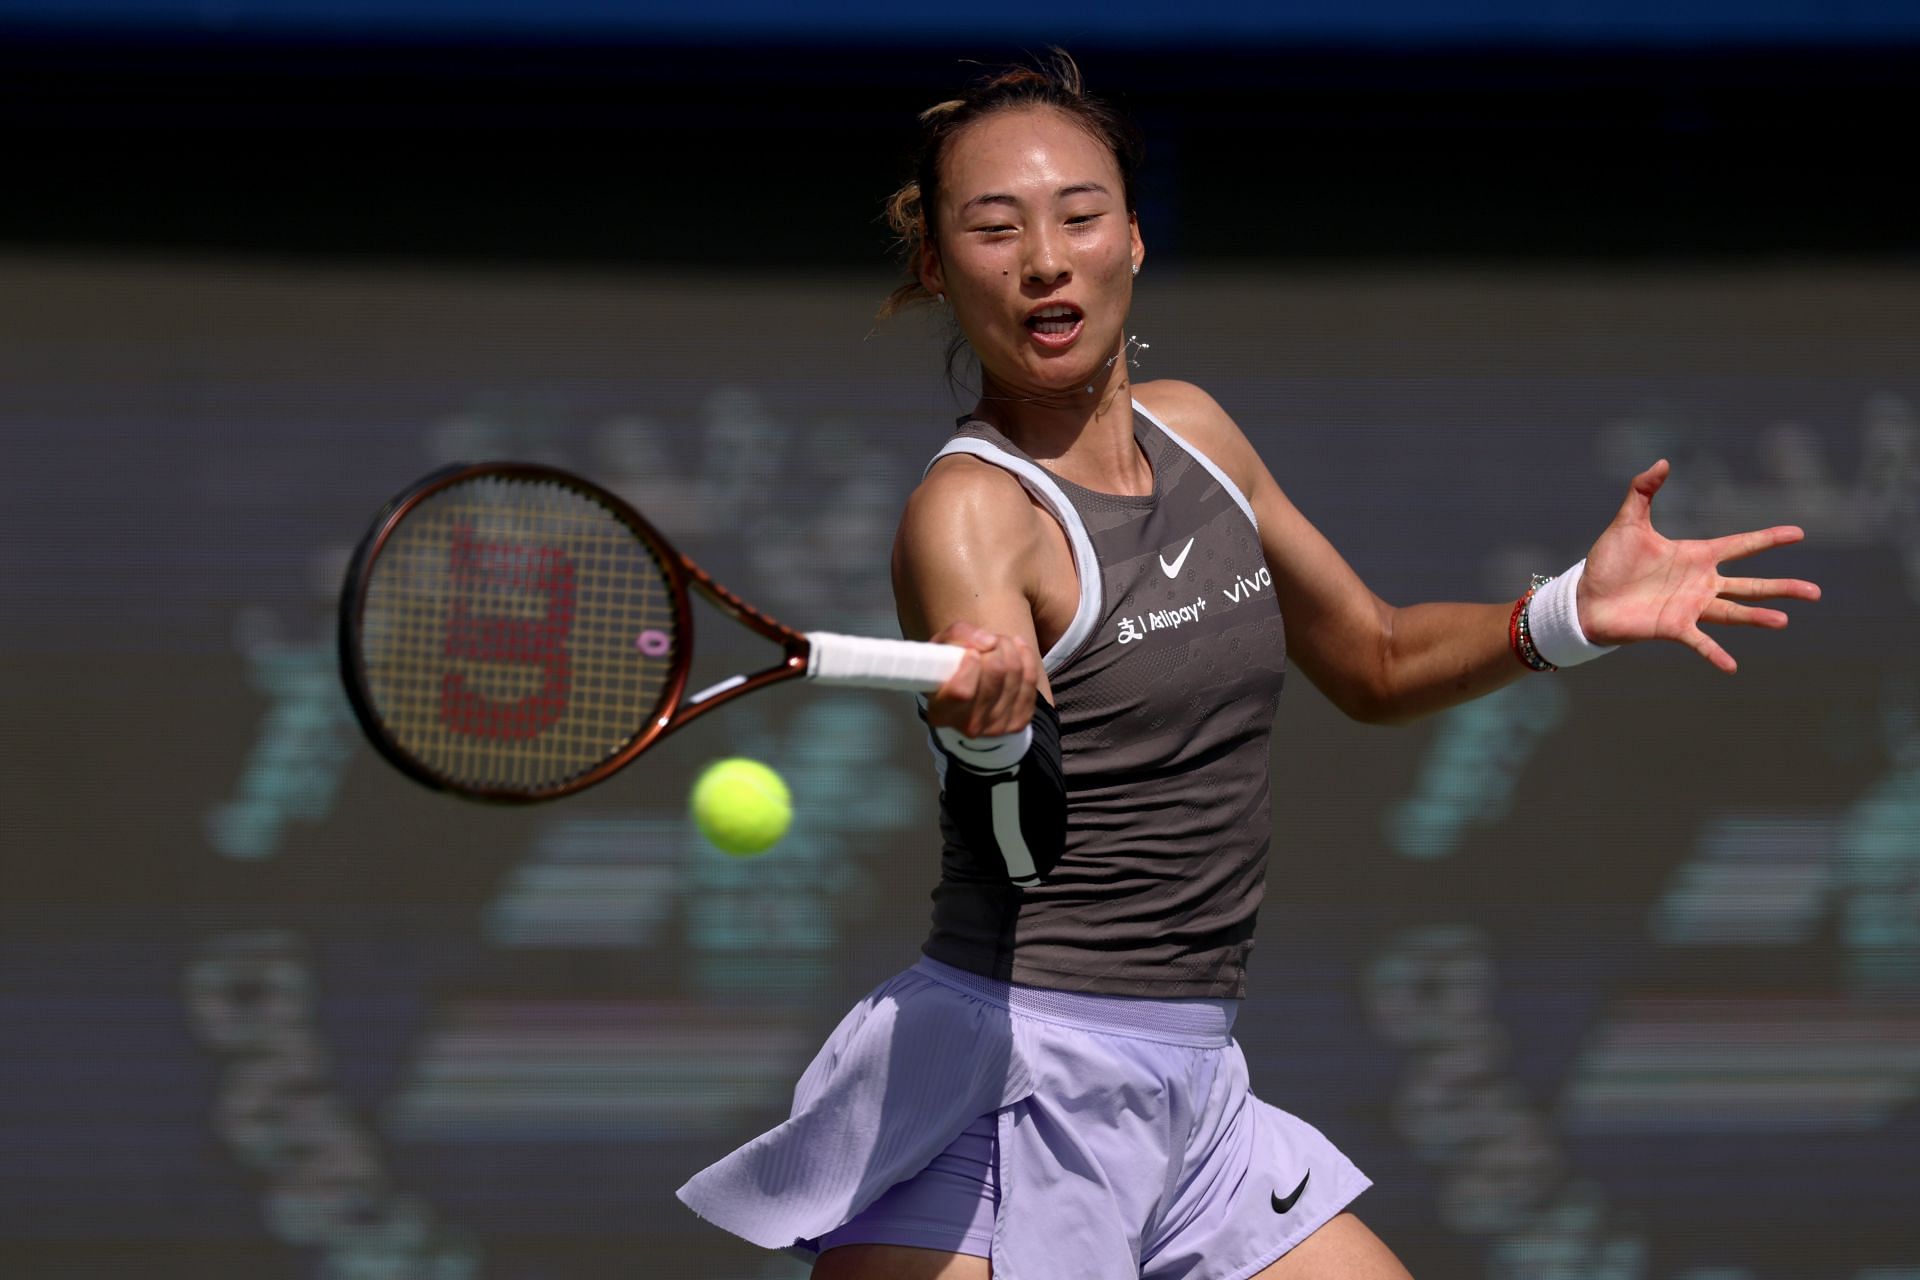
x,y
866,663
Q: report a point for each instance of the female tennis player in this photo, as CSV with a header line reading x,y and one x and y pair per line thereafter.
x,y
1052,1092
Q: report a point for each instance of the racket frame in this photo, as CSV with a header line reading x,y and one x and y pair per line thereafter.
x,y
683,577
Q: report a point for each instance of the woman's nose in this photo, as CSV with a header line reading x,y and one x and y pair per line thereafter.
x,y
1046,258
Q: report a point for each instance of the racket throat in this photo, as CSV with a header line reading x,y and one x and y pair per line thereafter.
x,y
715,690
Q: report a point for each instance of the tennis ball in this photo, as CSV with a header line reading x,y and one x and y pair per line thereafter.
x,y
742,806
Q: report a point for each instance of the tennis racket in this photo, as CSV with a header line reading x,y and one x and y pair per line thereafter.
x,y
511,632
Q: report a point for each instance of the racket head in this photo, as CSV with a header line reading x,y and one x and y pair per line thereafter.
x,y
511,632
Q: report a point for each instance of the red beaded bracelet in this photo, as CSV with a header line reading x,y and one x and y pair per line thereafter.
x,y
1520,635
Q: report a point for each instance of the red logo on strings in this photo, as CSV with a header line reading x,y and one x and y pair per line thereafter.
x,y
536,642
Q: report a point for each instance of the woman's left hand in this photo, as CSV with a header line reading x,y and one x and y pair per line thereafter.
x,y
1639,585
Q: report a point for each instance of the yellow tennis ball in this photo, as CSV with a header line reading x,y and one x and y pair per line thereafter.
x,y
741,805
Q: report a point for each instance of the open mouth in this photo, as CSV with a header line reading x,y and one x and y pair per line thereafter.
x,y
1055,323
1055,320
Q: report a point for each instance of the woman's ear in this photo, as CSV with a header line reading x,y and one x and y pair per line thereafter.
x,y
932,277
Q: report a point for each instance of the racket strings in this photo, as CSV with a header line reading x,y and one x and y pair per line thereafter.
x,y
516,634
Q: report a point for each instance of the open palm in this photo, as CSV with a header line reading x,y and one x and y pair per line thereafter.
x,y
1640,585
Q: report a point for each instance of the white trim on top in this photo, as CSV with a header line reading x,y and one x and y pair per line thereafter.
x,y
1233,490
1085,563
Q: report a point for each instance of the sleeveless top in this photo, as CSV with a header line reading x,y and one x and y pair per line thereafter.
x,y
1166,683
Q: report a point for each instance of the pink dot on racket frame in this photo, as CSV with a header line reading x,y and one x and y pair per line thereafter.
x,y
653,643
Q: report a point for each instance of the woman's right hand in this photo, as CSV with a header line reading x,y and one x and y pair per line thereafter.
x,y
992,693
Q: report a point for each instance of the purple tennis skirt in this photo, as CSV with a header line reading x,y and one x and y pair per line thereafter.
x,y
1062,1135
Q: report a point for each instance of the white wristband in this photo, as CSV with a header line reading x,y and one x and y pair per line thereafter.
x,y
1553,619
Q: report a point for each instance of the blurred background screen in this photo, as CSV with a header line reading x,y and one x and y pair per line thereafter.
x,y
1615,974
1119,22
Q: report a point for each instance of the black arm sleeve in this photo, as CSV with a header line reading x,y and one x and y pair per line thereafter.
x,y
1018,812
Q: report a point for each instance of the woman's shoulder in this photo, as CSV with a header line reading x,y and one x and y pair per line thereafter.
x,y
963,484
964,502
1170,398
969,536
1196,417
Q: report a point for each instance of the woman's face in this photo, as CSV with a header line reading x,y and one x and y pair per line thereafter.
x,y
1036,249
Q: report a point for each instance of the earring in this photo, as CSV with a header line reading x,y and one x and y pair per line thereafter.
x,y
1136,268
941,298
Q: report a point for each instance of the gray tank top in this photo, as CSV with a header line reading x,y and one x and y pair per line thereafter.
x,y
1166,683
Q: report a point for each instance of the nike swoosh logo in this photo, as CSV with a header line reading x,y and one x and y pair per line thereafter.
x,y
1281,1206
1173,570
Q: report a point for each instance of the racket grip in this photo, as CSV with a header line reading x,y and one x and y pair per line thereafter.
x,y
909,665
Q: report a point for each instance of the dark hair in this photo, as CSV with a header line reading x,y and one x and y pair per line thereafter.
x,y
1053,82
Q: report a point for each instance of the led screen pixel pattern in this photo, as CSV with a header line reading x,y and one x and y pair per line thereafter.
x,y
1599,976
